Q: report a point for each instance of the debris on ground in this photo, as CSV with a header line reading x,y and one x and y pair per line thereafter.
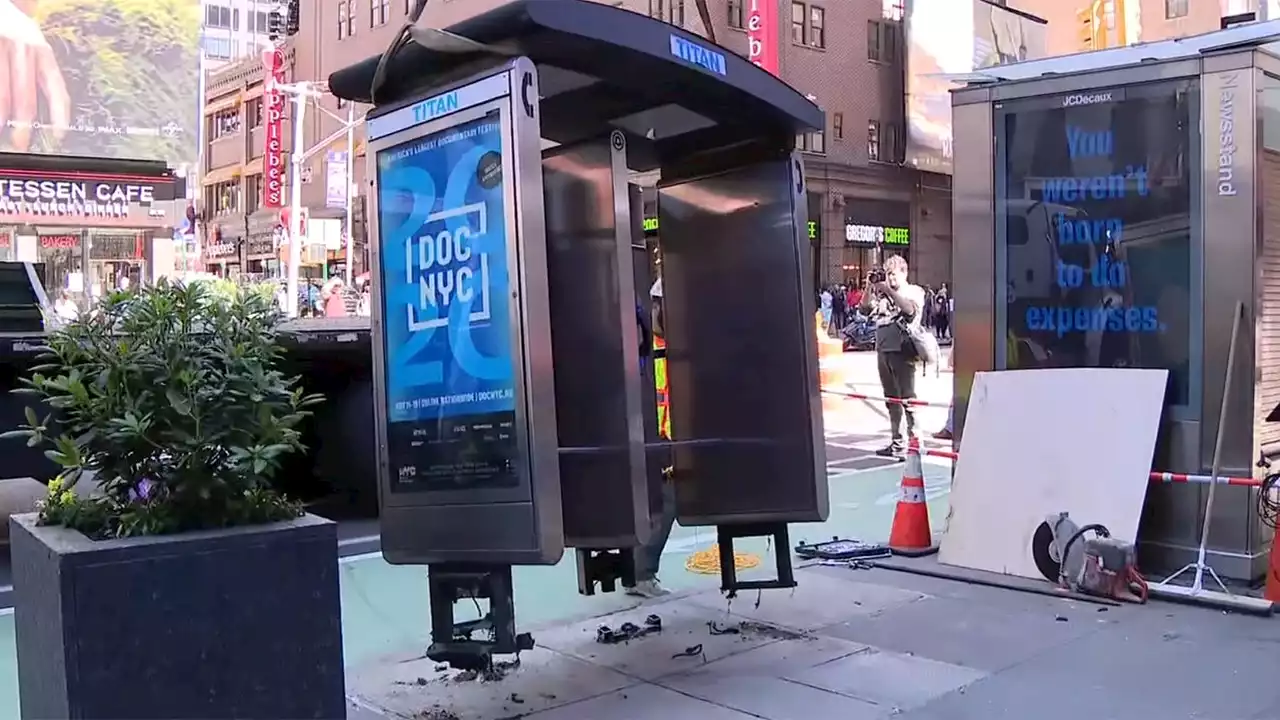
x,y
436,713
748,629
626,632
495,672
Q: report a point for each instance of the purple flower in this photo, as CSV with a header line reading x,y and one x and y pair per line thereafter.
x,y
141,491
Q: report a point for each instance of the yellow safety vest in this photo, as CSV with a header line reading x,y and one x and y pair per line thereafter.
x,y
660,383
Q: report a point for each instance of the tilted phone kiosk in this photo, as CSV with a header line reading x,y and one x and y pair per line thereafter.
x,y
515,401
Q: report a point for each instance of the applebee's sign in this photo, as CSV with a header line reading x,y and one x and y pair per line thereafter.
x,y
273,129
72,198
762,34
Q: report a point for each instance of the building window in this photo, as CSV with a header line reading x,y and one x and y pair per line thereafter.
x,y
873,140
379,11
217,48
891,151
1174,9
882,40
737,18
346,18
257,23
814,142
235,19
252,193
217,17
253,113
797,23
675,12
225,123
837,126
896,10
655,9
223,198
817,23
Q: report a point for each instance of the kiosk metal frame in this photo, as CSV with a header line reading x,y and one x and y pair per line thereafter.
x,y
613,95
472,548
1230,82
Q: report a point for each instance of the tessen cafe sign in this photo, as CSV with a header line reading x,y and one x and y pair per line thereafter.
x,y
762,34
89,198
273,129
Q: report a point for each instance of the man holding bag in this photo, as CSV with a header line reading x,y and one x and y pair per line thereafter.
x,y
896,307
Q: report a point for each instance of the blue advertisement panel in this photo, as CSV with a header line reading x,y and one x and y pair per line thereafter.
x,y
450,365
1095,205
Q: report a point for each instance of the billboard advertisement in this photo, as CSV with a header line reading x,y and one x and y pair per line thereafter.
x,y
101,78
946,38
449,361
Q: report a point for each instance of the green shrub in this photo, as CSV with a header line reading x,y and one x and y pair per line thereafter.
x,y
170,395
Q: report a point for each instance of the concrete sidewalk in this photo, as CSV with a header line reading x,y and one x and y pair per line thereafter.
x,y
860,645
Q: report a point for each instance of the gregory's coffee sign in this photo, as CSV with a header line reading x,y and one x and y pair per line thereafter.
x,y
78,198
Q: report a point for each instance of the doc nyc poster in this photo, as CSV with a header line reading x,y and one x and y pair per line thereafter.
x,y
448,338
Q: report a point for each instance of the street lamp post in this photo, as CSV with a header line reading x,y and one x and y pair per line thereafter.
x,y
302,92
349,194
300,96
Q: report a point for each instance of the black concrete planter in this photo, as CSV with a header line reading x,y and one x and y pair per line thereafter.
x,y
241,623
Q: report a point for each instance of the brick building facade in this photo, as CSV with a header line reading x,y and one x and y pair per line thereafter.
x,y
847,55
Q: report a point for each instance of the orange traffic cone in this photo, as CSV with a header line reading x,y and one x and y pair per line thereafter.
x,y
1272,591
911,536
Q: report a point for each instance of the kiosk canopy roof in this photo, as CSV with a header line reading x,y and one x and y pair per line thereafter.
x,y
1253,35
603,66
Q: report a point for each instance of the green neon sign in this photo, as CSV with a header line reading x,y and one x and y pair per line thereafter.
x,y
897,236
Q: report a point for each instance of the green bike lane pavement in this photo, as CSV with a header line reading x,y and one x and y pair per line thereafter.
x,y
384,607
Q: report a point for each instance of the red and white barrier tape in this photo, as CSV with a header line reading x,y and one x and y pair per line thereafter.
x,y
909,402
1156,477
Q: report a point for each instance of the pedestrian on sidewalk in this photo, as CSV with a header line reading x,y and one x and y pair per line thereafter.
x,y
824,304
649,555
894,304
942,312
948,431
838,307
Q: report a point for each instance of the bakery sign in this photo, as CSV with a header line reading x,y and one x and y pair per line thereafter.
x,y
90,198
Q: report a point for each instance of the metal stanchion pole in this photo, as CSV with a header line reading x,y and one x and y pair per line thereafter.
x,y
350,196
295,200
1197,592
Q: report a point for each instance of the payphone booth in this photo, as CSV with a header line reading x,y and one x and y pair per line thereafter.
x,y
515,409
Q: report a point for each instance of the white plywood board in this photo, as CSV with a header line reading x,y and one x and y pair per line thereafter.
x,y
1040,442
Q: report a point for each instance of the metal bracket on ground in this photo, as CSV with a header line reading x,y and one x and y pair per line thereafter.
x,y
608,567
729,582
453,642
